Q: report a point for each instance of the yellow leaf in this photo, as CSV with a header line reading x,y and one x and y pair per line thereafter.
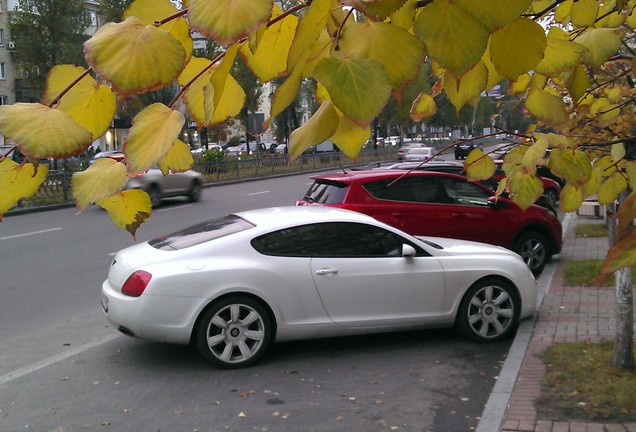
x,y
308,31
227,21
621,255
151,136
573,166
611,187
90,104
359,88
604,111
601,44
269,61
610,17
594,182
461,91
630,169
546,106
562,12
350,137
320,127
404,16
423,106
103,178
518,47
478,166
583,12
149,11
229,96
493,76
571,199
286,93
42,132
578,82
135,57
377,10
179,159
453,37
128,209
377,41
626,214
618,151
495,13
198,99
520,84
524,189
560,55
18,181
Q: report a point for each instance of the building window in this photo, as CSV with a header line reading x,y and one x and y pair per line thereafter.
x,y
4,100
93,18
1,37
3,74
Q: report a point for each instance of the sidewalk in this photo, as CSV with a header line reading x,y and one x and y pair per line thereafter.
x,y
567,314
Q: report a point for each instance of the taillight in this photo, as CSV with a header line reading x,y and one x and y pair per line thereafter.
x,y
136,283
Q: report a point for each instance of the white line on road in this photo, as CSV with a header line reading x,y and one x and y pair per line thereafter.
x,y
258,193
174,208
31,233
56,358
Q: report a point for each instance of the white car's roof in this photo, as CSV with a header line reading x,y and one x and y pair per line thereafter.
x,y
273,217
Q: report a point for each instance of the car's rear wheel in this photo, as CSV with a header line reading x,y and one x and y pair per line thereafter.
x,y
534,249
155,196
195,192
552,195
234,333
489,311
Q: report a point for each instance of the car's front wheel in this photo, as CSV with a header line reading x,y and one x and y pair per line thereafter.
x,y
155,196
489,311
234,333
194,194
534,249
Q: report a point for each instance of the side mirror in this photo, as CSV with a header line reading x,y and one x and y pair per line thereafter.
x,y
493,202
408,251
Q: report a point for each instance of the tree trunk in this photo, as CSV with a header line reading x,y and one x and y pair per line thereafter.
x,y
624,338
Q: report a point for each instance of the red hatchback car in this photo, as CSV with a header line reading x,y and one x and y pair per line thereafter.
x,y
442,205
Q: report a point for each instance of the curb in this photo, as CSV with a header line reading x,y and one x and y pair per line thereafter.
x,y
494,413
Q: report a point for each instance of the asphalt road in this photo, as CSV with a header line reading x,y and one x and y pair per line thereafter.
x,y
63,369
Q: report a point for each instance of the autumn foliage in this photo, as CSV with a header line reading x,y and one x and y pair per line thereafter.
x,y
569,62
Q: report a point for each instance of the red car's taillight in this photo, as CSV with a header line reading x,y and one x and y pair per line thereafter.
x,y
136,283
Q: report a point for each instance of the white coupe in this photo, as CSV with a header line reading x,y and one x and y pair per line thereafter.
x,y
233,285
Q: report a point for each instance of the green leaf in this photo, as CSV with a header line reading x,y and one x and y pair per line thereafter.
x,y
359,88
495,13
453,37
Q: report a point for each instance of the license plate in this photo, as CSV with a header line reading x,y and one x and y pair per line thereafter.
x,y
105,303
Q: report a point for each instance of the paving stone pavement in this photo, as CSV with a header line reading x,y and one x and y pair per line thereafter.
x,y
567,314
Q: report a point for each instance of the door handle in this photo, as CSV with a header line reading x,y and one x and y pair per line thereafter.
x,y
327,271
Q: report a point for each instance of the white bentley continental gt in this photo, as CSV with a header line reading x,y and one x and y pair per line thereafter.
x,y
233,285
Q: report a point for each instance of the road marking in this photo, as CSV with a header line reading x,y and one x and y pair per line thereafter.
x,y
18,373
258,193
174,208
31,233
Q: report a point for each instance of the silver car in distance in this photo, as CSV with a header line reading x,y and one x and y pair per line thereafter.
x,y
233,285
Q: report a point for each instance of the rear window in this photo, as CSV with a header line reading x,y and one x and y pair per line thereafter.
x,y
326,193
201,233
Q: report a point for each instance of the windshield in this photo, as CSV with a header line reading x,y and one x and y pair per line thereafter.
x,y
326,193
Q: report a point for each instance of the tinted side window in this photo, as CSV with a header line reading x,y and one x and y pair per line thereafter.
x,y
326,193
463,192
339,239
410,189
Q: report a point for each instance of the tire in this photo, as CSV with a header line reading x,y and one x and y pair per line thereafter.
x,y
552,194
489,311
234,333
194,194
155,196
534,249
